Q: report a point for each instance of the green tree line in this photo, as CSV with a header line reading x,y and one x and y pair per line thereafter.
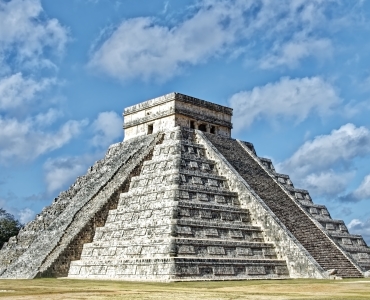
x,y
9,226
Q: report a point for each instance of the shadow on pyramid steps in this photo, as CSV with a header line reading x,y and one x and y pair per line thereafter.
x,y
181,200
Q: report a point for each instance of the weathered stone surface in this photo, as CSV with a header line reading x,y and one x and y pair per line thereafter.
x,y
353,245
39,244
188,213
174,203
257,174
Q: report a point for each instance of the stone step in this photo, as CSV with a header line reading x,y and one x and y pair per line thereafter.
x,y
184,269
221,248
182,247
155,166
320,218
202,180
192,147
214,215
186,159
365,265
313,205
349,239
108,252
204,190
239,268
211,206
267,163
201,174
211,198
152,206
137,241
216,224
332,221
324,251
213,232
139,228
356,249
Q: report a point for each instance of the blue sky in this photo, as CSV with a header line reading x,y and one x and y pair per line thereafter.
x,y
297,74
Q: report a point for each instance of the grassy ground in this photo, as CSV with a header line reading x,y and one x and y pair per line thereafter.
x,y
256,289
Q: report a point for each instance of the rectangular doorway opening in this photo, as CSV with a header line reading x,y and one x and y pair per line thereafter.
x,y
150,128
192,124
202,127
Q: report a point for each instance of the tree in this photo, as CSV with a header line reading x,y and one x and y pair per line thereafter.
x,y
9,226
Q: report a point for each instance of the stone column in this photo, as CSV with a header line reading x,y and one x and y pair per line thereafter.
x,y
208,128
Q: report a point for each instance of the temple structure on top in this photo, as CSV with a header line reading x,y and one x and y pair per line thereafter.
x,y
173,110
180,199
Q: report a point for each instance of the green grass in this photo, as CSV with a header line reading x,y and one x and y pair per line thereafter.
x,y
347,289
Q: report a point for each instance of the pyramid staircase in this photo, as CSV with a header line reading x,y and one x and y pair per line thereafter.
x,y
179,221
178,200
352,244
295,209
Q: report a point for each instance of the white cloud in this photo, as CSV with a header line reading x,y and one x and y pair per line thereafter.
x,y
365,84
292,52
288,98
363,191
61,172
28,42
285,31
26,33
26,215
26,140
340,146
355,107
357,226
15,90
327,183
317,164
141,48
107,128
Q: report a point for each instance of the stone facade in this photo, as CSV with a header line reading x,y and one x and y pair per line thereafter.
x,y
179,221
178,200
173,110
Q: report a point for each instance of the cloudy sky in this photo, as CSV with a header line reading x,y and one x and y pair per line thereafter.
x,y
297,74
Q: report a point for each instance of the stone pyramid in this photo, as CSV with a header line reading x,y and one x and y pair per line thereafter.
x,y
179,199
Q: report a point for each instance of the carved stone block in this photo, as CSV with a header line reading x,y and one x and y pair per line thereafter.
x,y
213,250
256,270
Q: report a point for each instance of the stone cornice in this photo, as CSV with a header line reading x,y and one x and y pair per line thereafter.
x,y
203,103
182,111
148,118
178,97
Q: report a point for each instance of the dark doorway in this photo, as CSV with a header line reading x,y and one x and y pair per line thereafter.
x,y
150,129
213,129
192,124
202,127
